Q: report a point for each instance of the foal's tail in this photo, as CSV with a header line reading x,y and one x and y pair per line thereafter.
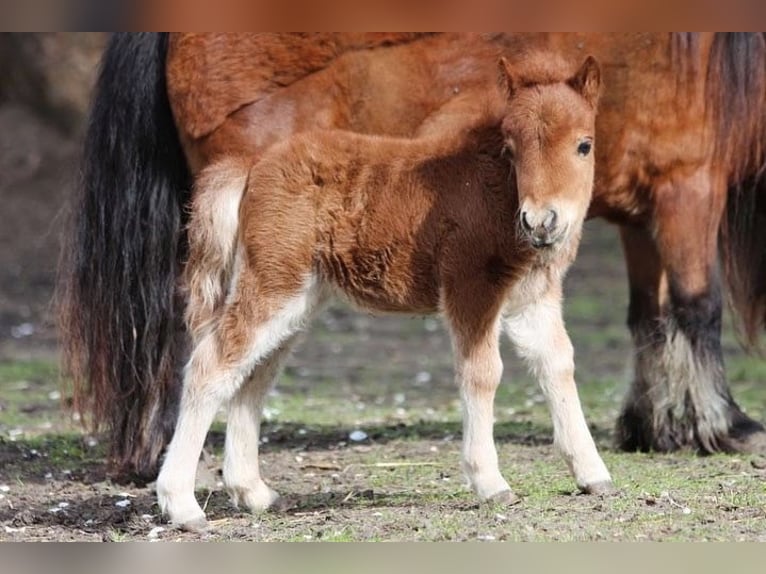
x,y
737,89
118,302
212,231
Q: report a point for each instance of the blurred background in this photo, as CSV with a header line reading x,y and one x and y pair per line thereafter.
x,y
45,89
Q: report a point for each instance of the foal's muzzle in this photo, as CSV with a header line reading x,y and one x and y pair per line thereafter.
x,y
542,227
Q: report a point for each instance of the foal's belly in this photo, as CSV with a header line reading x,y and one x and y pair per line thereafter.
x,y
384,279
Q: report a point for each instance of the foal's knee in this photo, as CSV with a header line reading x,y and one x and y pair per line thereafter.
x,y
481,372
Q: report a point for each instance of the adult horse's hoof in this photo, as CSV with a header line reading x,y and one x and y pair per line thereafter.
x,y
753,443
504,497
599,488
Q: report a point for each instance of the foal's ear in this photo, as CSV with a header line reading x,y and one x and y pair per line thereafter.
x,y
507,79
587,81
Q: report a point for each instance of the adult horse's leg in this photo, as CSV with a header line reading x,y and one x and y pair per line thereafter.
x,y
680,396
540,338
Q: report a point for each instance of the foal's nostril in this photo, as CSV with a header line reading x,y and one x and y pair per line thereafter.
x,y
549,223
525,222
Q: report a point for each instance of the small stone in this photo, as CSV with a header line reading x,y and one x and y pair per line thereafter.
x,y
122,503
4,488
422,378
22,330
357,435
155,532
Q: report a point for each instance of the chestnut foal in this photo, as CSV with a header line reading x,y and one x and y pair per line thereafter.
x,y
478,225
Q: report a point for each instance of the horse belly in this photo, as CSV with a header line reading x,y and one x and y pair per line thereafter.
x,y
372,281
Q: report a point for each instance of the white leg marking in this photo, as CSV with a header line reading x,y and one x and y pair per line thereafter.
x,y
207,386
478,376
241,468
538,333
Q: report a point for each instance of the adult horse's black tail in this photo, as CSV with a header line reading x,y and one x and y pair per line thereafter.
x,y
119,308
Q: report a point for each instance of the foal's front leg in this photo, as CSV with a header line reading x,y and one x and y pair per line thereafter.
x,y
540,338
478,369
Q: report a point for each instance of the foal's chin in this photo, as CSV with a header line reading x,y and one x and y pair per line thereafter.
x,y
553,252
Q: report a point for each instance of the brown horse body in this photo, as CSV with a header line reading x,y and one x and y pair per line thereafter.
x,y
478,223
670,146
681,142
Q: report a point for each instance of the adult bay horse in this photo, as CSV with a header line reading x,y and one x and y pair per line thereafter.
x,y
478,223
679,168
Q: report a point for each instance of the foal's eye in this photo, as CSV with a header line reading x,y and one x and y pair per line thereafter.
x,y
584,148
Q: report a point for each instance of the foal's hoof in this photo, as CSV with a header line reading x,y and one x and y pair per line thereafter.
x,y
504,497
199,524
599,488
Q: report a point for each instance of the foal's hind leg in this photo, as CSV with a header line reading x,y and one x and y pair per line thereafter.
x,y
540,338
241,469
208,383
246,334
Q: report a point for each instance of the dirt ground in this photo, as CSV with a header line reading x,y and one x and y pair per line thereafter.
x,y
362,435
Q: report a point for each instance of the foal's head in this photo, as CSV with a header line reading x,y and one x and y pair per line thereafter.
x,y
549,129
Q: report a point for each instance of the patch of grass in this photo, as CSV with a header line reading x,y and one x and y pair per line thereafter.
x,y
62,455
35,371
30,402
